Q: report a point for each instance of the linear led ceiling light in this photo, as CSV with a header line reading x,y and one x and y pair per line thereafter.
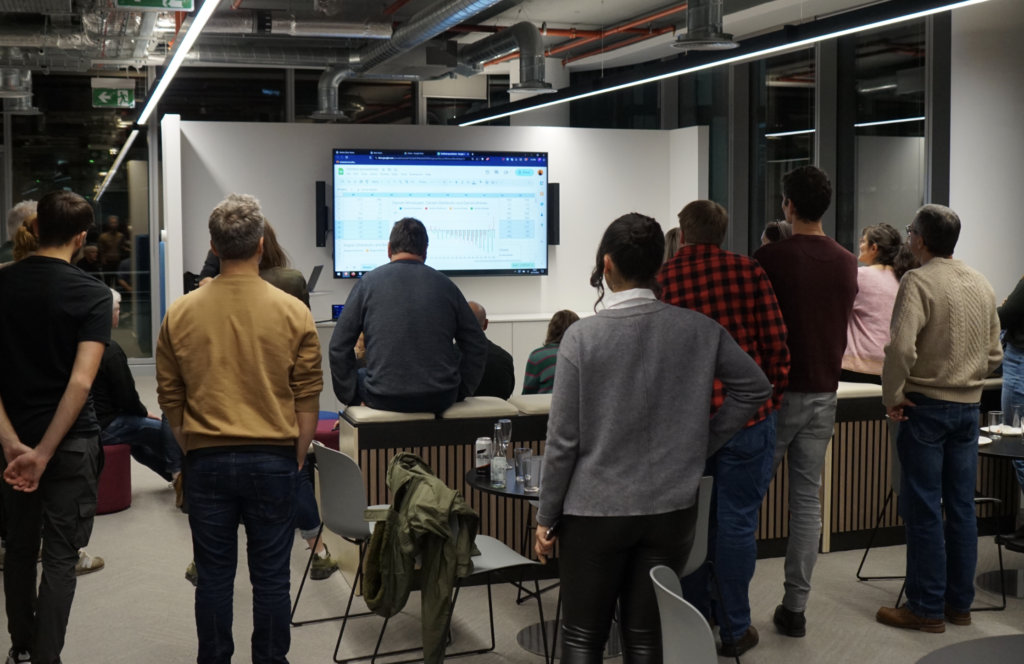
x,y
788,38
182,46
789,133
889,122
117,163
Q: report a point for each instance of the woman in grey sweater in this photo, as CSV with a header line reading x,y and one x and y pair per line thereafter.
x,y
627,439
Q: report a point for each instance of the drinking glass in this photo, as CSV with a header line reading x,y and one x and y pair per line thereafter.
x,y
1017,416
499,468
521,455
995,424
506,434
534,466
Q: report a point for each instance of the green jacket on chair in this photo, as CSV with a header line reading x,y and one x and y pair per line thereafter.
x,y
429,521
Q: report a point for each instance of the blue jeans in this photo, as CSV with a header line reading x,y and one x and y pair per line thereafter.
x,y
742,471
259,490
307,514
938,449
1013,393
152,442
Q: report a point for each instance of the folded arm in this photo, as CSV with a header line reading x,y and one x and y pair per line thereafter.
x,y
746,389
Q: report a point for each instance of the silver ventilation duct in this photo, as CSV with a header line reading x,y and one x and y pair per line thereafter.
x,y
266,56
305,24
704,28
524,37
422,27
15,83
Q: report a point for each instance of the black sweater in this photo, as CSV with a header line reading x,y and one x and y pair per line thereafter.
x,y
1011,317
113,391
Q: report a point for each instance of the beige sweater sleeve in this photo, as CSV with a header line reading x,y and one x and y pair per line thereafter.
x,y
170,386
307,379
908,319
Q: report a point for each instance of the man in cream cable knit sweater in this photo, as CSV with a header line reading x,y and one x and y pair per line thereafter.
x,y
944,341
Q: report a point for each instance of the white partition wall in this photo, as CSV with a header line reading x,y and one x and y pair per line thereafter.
x,y
603,174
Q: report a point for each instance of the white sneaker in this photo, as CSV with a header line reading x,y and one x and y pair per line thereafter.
x,y
20,658
87,564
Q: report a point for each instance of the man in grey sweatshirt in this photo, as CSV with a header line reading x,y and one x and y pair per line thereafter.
x,y
410,314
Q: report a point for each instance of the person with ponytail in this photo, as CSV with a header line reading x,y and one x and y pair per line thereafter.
x,y
628,437
877,283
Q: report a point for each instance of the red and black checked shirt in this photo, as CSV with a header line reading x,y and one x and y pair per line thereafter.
x,y
734,291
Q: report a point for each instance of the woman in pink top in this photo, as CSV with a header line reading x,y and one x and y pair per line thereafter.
x,y
881,251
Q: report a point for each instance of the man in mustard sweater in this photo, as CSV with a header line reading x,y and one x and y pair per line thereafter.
x,y
944,341
238,376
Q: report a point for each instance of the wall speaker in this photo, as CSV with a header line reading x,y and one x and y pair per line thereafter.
x,y
554,231
322,229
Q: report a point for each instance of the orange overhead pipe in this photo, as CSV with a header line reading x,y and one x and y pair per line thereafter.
x,y
625,27
395,6
618,45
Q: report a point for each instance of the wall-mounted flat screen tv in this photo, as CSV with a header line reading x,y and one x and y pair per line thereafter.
x,y
486,213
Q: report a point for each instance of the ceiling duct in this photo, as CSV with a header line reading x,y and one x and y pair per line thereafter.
x,y
421,28
289,57
22,105
704,28
15,83
304,24
36,6
523,37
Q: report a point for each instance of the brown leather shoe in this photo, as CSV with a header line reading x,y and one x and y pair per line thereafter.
x,y
958,618
749,639
904,618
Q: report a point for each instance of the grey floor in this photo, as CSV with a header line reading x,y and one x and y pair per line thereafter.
x,y
140,608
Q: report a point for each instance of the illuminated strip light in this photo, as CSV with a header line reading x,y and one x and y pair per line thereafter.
x,y
790,133
182,48
889,122
117,163
736,59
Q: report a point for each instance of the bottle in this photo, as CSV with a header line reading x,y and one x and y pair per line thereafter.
x,y
483,457
499,450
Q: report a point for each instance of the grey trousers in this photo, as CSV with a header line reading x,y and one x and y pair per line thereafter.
x,y
804,429
62,510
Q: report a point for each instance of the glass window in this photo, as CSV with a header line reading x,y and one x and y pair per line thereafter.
x,y
704,101
782,131
72,146
222,94
630,108
889,123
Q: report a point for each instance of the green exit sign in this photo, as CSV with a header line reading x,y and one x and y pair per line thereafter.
x,y
113,98
156,5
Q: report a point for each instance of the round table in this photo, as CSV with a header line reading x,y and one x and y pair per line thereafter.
x,y
991,650
531,638
1005,447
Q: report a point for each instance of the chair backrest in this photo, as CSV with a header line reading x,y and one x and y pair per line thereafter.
x,y
342,493
685,635
699,552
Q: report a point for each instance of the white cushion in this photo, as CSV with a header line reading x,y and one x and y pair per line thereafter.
x,y
367,415
859,390
532,404
480,407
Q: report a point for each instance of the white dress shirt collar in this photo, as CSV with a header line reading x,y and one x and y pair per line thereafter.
x,y
628,298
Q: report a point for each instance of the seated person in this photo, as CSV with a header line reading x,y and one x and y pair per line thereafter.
x,y
125,420
500,372
540,368
410,314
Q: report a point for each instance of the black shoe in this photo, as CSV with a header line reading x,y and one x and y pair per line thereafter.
x,y
18,658
737,648
790,623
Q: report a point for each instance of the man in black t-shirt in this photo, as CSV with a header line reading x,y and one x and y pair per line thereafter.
x,y
499,372
54,326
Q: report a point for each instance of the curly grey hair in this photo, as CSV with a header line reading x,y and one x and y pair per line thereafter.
x,y
17,215
236,227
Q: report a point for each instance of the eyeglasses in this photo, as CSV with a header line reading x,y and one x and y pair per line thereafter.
x,y
910,230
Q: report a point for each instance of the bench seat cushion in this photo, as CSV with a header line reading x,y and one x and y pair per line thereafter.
x,y
366,415
532,404
480,407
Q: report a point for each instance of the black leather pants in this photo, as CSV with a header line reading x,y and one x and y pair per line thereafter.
x,y
609,559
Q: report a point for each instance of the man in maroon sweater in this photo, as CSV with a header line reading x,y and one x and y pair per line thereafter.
x,y
815,282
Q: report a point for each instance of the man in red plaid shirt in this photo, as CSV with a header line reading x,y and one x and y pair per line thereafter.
x,y
734,291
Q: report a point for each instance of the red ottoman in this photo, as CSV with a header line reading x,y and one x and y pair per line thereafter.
x,y
325,435
115,490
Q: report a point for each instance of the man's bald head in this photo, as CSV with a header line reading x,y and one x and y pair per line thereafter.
x,y
480,313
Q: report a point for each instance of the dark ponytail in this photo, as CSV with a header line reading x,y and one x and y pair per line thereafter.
x,y
905,261
887,239
636,245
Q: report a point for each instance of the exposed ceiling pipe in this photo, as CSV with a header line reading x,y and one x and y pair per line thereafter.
x,y
15,83
422,27
704,28
395,6
545,31
146,29
298,24
617,45
523,37
284,57
604,34
332,78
